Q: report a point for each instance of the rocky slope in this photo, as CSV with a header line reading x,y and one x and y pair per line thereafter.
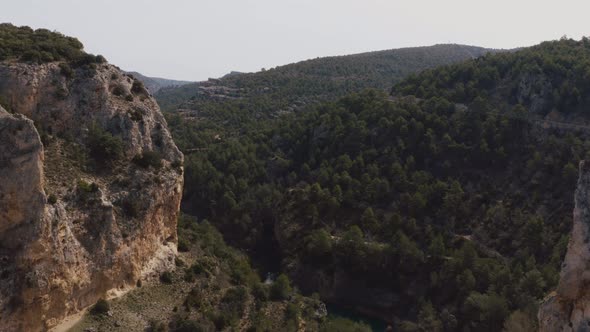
x,y
78,219
567,309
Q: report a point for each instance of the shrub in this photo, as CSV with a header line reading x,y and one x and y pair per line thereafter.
x,y
137,87
189,275
31,56
100,308
166,277
147,159
241,272
231,308
129,97
261,293
235,299
194,298
86,187
198,269
66,70
77,153
281,288
318,245
292,311
183,245
88,60
52,199
119,90
135,115
103,146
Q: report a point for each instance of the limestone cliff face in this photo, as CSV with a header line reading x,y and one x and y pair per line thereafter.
x,y
568,308
62,246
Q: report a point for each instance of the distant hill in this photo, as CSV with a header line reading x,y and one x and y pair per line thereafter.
x,y
289,87
154,84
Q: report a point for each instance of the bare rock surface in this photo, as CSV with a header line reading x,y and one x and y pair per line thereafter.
x,y
568,308
62,247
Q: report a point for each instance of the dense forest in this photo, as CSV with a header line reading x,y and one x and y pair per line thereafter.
x,y
552,78
449,196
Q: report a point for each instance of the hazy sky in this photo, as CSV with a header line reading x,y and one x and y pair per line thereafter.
x,y
197,39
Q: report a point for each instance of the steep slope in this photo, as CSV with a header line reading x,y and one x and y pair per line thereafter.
x,y
287,88
566,309
155,84
90,187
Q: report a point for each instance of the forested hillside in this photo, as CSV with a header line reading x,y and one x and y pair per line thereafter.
x,y
290,87
551,79
453,206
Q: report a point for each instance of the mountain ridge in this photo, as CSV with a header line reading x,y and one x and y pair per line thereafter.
x,y
286,87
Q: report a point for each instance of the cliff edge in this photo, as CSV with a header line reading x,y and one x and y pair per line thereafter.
x,y
90,188
568,308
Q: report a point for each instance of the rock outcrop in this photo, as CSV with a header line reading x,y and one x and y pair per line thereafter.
x,y
568,308
74,227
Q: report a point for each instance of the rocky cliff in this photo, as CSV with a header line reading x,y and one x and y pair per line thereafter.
x,y
568,308
90,187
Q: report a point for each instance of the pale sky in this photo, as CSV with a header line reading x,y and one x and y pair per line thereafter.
x,y
198,39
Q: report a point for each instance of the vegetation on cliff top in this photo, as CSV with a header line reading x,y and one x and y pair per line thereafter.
x,y
42,45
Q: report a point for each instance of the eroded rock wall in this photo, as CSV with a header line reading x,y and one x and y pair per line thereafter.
x,y
62,248
568,308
